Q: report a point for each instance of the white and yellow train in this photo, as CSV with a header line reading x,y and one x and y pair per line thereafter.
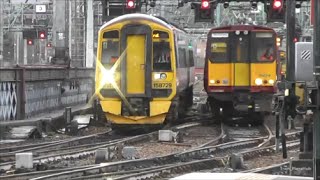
x,y
144,70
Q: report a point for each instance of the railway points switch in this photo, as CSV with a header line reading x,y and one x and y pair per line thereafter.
x,y
24,160
129,152
165,135
102,155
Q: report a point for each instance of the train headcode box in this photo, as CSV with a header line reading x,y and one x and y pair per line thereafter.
x,y
304,61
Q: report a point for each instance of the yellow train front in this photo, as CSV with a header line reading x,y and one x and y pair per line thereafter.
x,y
144,71
240,70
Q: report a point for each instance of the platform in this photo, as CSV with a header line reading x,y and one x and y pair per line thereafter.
x,y
54,119
237,176
50,116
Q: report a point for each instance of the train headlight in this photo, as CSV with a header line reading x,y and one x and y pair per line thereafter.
x,y
258,81
286,92
163,76
108,76
271,81
160,76
212,81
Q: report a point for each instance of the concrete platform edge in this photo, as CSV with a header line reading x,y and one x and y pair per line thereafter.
x,y
54,119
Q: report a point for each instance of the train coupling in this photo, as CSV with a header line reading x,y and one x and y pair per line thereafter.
x,y
247,108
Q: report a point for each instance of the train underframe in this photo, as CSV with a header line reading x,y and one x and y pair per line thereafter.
x,y
142,113
240,107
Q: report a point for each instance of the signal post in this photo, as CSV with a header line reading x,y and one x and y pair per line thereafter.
x,y
316,119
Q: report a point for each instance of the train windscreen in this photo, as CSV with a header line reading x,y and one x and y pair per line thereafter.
x,y
161,56
265,48
219,47
110,52
242,47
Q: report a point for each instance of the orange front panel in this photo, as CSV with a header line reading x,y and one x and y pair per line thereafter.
x,y
267,72
220,74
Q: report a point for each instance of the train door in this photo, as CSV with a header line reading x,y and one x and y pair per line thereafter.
x,y
136,61
241,60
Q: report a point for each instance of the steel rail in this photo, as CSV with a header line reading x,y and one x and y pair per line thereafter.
x,y
194,165
91,150
172,158
30,147
56,145
144,163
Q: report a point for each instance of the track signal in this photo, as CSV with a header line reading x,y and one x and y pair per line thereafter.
x,y
203,12
30,42
42,35
277,4
276,11
205,4
130,4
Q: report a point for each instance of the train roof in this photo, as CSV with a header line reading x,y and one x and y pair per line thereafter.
x,y
158,20
241,27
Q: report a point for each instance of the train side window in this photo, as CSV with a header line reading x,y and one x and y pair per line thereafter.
x,y
182,58
110,52
160,34
161,56
111,34
191,58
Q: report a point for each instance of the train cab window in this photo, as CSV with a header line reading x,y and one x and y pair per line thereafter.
x,y
218,47
110,52
219,51
264,42
161,56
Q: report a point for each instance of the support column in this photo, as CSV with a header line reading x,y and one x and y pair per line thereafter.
x,y
90,38
218,15
25,52
290,21
1,33
316,120
291,100
162,10
59,28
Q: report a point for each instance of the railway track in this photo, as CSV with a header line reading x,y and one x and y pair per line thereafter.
x,y
202,154
86,152
179,157
89,152
58,146
280,169
196,159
